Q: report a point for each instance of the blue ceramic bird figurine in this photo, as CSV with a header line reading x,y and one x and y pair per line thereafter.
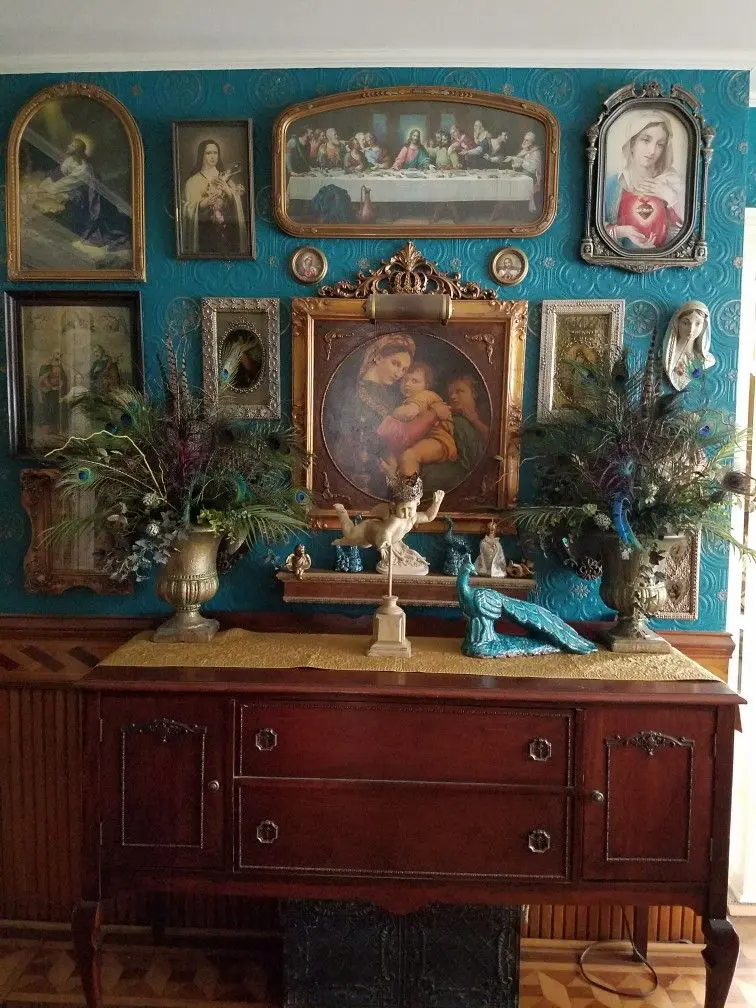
x,y
455,549
481,607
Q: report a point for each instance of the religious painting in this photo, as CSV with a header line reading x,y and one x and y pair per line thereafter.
x,y
308,264
575,333
648,164
75,197
434,397
61,344
214,189
509,266
51,566
241,356
415,160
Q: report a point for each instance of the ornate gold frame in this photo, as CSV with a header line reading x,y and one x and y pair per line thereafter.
x,y
498,102
43,571
16,271
408,287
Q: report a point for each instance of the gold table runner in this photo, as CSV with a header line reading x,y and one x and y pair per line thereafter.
x,y
245,649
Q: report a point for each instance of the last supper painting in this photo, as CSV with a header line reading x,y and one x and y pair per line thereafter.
x,y
416,160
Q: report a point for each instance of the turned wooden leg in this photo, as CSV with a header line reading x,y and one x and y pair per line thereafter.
x,y
87,939
157,908
720,956
640,930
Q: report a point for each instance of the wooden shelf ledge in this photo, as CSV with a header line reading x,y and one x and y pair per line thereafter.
x,y
368,587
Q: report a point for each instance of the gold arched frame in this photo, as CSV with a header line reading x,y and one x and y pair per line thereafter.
x,y
485,99
74,89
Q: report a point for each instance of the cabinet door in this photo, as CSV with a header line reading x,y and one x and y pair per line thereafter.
x,y
650,769
163,771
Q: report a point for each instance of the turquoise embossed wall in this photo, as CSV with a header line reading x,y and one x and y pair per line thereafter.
x,y
574,96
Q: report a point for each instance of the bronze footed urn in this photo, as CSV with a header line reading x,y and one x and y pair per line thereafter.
x,y
187,581
632,584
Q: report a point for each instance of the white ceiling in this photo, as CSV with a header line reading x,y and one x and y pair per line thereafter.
x,y
99,35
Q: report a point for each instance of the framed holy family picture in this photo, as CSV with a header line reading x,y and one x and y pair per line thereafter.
x,y
648,166
75,188
214,189
59,345
441,398
415,161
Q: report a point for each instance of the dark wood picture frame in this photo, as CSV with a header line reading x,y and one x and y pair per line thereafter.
x,y
225,227
77,312
51,568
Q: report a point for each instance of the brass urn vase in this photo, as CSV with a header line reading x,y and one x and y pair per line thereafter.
x,y
187,581
631,584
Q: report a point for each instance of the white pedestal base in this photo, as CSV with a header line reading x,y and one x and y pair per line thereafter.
x,y
389,631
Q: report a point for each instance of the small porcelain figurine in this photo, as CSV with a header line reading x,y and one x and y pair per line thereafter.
x,y
348,560
481,607
491,561
298,562
520,568
687,344
390,523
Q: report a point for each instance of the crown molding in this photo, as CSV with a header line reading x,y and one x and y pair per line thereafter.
x,y
265,59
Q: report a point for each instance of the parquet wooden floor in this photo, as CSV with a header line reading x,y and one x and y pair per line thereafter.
x,y
36,972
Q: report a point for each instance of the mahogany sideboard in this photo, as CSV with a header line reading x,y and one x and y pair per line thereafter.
x,y
405,789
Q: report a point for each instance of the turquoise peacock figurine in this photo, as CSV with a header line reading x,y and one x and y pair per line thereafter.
x,y
481,607
455,549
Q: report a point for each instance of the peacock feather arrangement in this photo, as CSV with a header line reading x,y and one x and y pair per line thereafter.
x,y
630,460
156,465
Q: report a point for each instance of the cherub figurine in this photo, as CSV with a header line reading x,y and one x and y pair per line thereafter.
x,y
298,562
389,523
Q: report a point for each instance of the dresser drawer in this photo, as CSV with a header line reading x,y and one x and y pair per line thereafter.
x,y
403,742
407,829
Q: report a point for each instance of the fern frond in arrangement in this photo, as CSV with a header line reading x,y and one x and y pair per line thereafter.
x,y
157,465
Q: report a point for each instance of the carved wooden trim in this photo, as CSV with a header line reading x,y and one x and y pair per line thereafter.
x,y
409,272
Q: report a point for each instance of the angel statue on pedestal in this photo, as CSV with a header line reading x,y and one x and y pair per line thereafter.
x,y
389,523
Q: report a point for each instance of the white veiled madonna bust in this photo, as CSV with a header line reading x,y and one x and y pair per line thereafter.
x,y
687,344
491,561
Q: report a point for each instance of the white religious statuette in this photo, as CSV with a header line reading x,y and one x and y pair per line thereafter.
x,y
687,344
389,523
491,561
390,624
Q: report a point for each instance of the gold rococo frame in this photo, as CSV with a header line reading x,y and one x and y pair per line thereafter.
x,y
499,102
74,89
409,287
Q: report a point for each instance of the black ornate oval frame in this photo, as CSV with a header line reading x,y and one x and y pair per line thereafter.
x,y
688,248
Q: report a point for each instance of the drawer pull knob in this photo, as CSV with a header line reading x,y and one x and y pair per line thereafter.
x,y
265,739
267,831
213,785
540,750
539,841
598,796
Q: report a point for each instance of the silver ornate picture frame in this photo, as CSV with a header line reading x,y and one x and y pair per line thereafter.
x,y
648,166
241,346
574,332
680,567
